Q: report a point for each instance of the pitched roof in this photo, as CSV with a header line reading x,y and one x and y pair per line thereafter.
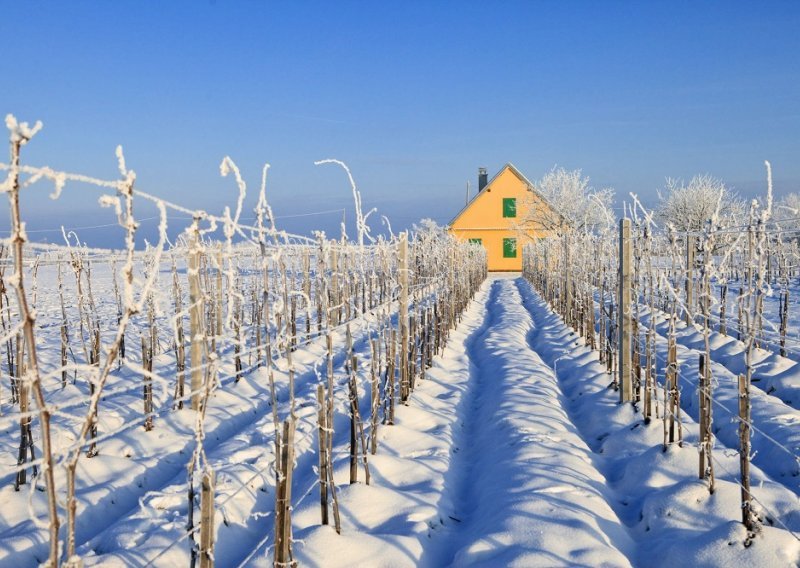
x,y
522,178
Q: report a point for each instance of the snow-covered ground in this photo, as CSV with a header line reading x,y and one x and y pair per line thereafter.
x,y
512,451
540,466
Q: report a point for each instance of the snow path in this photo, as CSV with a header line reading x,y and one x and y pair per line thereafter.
x,y
524,488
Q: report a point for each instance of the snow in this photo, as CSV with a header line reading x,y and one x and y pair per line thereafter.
x,y
512,451
666,508
773,408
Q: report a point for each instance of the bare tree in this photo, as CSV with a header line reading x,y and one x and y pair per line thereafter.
x,y
429,229
689,207
787,211
564,197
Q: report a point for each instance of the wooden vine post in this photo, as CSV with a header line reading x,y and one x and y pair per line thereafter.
x,y
207,519
625,324
690,249
94,361
391,354
26,444
723,300
706,465
568,295
147,395
180,341
64,347
403,315
672,393
217,322
374,397
283,499
323,454
195,317
356,424
744,452
334,288
20,135
353,397
329,423
784,317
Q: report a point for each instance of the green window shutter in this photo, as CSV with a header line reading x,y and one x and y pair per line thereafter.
x,y
509,248
509,207
476,241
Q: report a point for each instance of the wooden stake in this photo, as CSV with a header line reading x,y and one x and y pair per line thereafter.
x,y
374,396
403,315
784,309
207,519
196,326
625,323
283,499
147,365
744,452
691,245
323,454
353,396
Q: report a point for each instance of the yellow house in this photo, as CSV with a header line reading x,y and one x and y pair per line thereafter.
x,y
506,213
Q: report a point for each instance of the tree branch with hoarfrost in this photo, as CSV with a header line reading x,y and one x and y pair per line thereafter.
x,y
21,134
571,199
688,207
787,212
361,219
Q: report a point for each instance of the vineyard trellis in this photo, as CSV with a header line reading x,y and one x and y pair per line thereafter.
x,y
247,300
620,290
158,335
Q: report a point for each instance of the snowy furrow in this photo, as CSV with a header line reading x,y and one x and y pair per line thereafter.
x,y
771,307
482,467
774,416
132,497
244,466
670,513
774,375
389,522
776,437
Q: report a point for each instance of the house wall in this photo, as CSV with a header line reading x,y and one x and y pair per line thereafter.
x,y
492,241
483,219
486,209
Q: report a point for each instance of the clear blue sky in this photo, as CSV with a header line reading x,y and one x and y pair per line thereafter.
x,y
414,96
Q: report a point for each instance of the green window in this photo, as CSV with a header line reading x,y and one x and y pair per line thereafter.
x,y
476,241
510,207
509,248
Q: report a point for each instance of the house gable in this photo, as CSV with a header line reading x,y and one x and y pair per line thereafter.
x,y
485,210
498,218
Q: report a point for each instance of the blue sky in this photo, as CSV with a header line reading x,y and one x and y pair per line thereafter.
x,y
414,96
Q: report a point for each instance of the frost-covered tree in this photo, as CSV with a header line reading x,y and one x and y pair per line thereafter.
x,y
429,229
571,199
688,207
787,211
